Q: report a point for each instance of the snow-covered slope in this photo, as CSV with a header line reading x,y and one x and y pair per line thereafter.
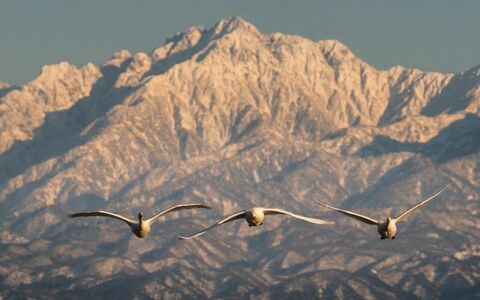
x,y
232,117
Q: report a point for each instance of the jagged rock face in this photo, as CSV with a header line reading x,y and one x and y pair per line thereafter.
x,y
235,118
56,88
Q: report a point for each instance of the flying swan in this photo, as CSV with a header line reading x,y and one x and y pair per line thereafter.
x,y
254,217
142,227
387,229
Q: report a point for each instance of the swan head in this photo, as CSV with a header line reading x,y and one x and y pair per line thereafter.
x,y
256,212
140,215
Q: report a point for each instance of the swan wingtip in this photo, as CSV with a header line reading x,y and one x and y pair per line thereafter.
x,y
320,203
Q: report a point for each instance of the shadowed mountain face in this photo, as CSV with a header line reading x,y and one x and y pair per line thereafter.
x,y
233,118
460,138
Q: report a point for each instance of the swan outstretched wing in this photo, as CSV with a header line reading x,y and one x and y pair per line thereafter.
x,y
102,213
174,208
410,211
236,216
278,211
352,214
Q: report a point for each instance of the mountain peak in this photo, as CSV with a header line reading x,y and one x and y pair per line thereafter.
x,y
118,58
474,71
3,85
190,39
50,69
53,74
234,24
50,74
335,47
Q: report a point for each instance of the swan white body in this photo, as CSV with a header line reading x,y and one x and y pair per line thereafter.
x,y
255,217
387,229
142,227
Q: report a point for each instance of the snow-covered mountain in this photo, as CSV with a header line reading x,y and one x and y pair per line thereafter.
x,y
232,117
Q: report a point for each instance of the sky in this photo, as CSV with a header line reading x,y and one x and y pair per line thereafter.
x,y
432,35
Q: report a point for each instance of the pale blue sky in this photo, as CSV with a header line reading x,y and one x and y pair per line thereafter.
x,y
433,35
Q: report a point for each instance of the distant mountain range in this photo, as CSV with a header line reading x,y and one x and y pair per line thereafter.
x,y
232,117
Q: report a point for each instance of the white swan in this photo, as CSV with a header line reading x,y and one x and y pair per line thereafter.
x,y
254,217
142,227
387,229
